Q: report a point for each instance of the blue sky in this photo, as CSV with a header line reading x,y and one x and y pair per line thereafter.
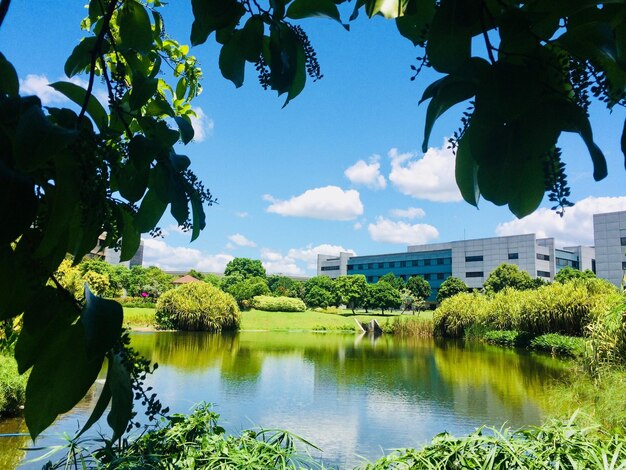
x,y
338,169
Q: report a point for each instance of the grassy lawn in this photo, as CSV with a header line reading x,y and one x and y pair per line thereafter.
x,y
281,321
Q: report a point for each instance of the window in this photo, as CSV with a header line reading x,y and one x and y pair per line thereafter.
x,y
513,255
427,276
370,266
330,268
414,263
623,241
543,257
469,259
474,274
360,267
439,260
350,267
624,265
426,262
403,264
370,278
381,265
392,264
543,274
439,276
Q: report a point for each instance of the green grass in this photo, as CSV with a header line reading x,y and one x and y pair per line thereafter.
x,y
340,320
139,317
12,387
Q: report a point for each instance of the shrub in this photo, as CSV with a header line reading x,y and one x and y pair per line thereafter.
x,y
607,337
511,338
559,345
458,312
140,302
12,387
197,306
451,286
278,304
409,327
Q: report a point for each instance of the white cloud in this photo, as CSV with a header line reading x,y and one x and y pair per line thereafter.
x,y
242,215
409,213
202,124
240,240
384,230
173,228
276,263
39,85
430,177
574,228
367,174
172,258
358,226
309,253
327,203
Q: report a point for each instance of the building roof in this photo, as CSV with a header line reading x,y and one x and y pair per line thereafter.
x,y
185,280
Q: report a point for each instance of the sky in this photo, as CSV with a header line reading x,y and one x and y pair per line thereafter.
x,y
338,169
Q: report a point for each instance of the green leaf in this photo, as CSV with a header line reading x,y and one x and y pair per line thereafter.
x,y
283,63
299,78
102,322
80,58
142,90
300,9
150,212
60,378
466,171
413,25
179,207
135,28
18,215
450,35
9,83
250,38
77,94
131,238
211,15
623,142
101,405
118,381
232,62
179,162
199,218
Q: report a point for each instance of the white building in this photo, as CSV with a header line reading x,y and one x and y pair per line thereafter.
x,y
609,231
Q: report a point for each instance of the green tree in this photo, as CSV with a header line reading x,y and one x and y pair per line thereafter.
x,y
390,278
568,274
285,286
383,295
508,275
152,281
450,287
318,297
323,282
212,279
419,287
197,274
246,289
245,267
351,290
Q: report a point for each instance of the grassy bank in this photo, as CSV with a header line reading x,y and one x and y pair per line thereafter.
x,y
341,320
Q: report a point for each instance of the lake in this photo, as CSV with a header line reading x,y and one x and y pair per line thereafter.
x,y
354,397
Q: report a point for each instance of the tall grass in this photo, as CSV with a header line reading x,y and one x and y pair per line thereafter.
x,y
607,339
12,387
409,327
567,309
555,445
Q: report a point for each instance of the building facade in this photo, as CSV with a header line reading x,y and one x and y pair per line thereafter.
x,y
609,231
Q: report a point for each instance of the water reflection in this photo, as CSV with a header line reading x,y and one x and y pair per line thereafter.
x,y
349,395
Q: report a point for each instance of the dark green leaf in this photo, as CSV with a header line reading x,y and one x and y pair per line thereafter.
x,y
387,8
118,380
283,51
150,212
142,90
134,26
299,78
18,215
199,218
179,162
232,62
131,238
180,206
211,15
623,142
77,94
250,38
80,58
132,181
413,25
9,83
465,171
101,405
60,378
299,9
142,151
102,322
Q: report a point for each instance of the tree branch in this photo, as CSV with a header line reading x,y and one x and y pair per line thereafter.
x,y
4,8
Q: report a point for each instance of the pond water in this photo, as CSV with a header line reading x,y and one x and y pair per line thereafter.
x,y
354,397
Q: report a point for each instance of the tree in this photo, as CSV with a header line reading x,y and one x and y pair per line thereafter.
x,y
383,295
450,287
212,279
318,297
197,274
248,288
245,267
508,275
396,282
351,290
418,287
568,274
285,286
68,176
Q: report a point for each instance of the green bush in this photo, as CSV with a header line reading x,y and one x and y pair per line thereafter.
x,y
278,304
607,337
197,306
457,313
511,338
559,345
136,302
12,387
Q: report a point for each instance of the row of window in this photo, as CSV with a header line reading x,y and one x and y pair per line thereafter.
x,y
562,262
400,264
543,257
330,268
469,259
405,277
543,274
